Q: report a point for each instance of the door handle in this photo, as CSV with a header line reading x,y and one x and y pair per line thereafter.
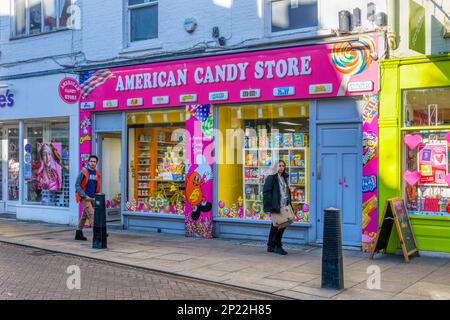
x,y
319,174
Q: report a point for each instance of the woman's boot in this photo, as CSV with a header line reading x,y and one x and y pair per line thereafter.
x,y
79,235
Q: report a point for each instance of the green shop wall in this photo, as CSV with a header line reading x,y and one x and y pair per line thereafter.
x,y
432,233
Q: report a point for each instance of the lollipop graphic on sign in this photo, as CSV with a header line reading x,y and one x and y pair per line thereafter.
x,y
352,58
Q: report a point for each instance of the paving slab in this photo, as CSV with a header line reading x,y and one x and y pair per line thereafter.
x,y
404,296
438,277
298,295
300,277
388,286
320,292
317,283
361,294
427,289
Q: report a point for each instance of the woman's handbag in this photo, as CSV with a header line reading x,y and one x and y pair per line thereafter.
x,y
284,218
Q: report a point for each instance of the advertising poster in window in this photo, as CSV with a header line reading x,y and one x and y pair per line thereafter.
x,y
433,163
49,174
199,170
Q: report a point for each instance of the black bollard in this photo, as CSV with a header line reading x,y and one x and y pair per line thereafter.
x,y
332,263
99,238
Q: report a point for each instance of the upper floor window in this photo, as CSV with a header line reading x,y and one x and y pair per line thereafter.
x,y
40,16
143,19
288,15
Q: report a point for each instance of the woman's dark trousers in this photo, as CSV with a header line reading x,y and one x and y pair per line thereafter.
x,y
275,236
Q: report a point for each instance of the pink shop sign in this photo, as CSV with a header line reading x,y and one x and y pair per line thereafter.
x,y
300,72
69,90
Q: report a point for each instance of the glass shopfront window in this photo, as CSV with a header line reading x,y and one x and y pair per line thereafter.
x,y
254,138
426,107
426,166
13,164
156,163
46,163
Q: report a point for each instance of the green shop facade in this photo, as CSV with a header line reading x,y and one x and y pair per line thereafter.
x,y
414,142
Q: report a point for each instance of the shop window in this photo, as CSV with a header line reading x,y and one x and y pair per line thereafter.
x,y
426,172
156,162
46,163
13,164
35,8
426,178
50,17
40,16
426,107
288,15
143,16
63,13
20,12
253,138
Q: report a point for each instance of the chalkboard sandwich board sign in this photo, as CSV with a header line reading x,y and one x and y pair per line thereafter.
x,y
395,213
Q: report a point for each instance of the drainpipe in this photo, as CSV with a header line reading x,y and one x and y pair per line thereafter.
x,y
392,34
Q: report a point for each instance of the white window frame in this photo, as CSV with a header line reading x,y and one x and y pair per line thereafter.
x,y
27,20
307,31
129,8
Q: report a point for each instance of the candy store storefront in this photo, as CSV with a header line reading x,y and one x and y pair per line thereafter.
x,y
185,145
414,145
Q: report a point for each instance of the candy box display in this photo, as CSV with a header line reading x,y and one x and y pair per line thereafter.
x,y
287,140
298,140
251,192
263,138
265,158
277,140
251,159
283,155
294,177
301,178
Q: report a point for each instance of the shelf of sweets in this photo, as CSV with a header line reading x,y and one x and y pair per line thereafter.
x,y
278,149
249,166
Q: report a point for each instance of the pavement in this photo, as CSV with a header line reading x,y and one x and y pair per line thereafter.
x,y
247,264
36,274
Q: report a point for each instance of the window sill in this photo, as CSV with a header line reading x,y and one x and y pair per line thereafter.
x,y
42,34
30,205
254,221
428,217
141,46
304,31
291,36
153,215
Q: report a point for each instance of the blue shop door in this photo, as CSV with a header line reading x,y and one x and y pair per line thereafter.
x,y
339,178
